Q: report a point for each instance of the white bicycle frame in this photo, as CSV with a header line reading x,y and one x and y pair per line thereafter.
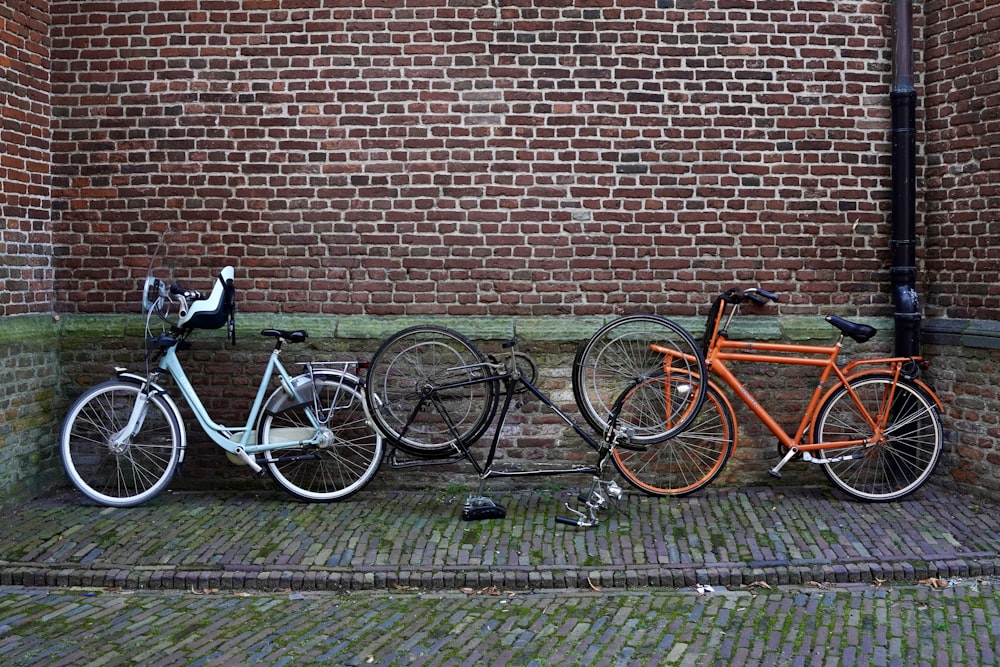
x,y
244,446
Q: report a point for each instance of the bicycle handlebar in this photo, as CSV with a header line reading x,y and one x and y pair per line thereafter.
x,y
757,295
189,295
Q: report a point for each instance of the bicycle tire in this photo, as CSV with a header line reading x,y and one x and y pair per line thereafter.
x,y
431,391
340,467
685,462
137,470
903,460
618,357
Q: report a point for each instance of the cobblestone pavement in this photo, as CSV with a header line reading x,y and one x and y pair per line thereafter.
x,y
758,576
856,624
384,539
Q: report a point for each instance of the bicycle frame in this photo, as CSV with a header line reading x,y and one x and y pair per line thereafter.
x,y
825,358
480,507
245,446
511,379
721,350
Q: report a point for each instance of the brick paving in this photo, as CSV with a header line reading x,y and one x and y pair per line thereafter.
x,y
384,539
758,576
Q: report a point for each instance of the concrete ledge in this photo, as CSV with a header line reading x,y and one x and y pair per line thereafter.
x,y
798,328
28,329
984,334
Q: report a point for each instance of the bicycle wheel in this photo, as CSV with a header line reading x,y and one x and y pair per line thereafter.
x,y
619,356
431,391
119,474
689,460
348,457
897,464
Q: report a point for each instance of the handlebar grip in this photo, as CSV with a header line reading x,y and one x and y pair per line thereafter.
x,y
767,295
568,521
186,293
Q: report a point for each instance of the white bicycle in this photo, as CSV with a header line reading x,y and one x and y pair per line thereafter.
x,y
123,439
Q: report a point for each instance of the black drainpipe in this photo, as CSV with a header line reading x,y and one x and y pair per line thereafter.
x,y
904,194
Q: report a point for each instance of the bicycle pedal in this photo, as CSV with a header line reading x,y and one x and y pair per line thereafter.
x,y
480,512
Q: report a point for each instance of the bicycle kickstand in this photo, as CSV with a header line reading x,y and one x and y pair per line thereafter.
x,y
600,496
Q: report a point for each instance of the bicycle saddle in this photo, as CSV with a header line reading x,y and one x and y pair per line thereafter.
x,y
288,336
857,332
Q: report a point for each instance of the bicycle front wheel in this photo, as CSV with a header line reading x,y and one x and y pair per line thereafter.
x,y
686,462
895,465
431,391
108,466
339,466
625,353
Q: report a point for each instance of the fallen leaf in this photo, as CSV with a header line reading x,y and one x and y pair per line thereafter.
x,y
934,582
593,586
489,590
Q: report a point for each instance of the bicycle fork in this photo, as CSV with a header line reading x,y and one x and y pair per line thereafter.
x,y
120,441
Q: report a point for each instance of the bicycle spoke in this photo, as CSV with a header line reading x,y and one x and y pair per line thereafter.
x,y
685,462
119,473
902,460
620,356
351,452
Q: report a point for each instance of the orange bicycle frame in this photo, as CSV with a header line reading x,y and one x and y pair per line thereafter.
x,y
823,357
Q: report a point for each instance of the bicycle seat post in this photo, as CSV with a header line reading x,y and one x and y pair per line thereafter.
x,y
511,346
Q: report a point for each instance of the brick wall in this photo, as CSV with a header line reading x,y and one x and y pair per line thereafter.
x,y
25,235
961,228
520,158
495,157
962,145
30,395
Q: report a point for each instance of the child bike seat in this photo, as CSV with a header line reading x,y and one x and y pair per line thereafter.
x,y
214,310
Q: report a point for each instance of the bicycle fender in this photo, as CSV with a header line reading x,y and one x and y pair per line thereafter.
x,y
725,399
281,399
160,391
926,388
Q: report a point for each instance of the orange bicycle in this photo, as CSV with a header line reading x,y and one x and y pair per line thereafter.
x,y
875,430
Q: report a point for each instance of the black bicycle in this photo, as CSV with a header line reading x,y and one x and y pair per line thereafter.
x,y
431,393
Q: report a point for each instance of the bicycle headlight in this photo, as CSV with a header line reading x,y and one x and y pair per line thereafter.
x,y
151,292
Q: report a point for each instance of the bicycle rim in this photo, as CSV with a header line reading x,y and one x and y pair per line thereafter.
x,y
343,464
431,391
126,474
619,357
902,461
686,462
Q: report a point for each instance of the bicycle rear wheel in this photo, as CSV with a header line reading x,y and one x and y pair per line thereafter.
x,y
340,466
111,470
619,356
897,464
431,391
686,462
